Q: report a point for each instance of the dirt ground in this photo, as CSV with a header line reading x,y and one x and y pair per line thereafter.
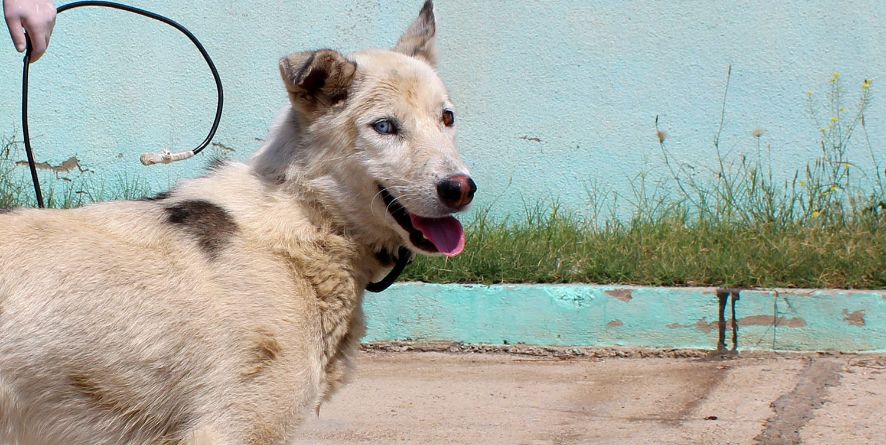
x,y
619,397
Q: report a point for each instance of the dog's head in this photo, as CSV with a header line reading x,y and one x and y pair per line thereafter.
x,y
377,135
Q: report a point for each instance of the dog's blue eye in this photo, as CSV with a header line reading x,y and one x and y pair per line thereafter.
x,y
384,126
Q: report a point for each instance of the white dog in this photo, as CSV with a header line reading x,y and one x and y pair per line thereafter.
x,y
220,312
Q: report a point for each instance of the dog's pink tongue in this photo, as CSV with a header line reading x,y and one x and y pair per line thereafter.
x,y
446,233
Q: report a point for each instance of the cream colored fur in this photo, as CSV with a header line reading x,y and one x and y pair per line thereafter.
x,y
118,326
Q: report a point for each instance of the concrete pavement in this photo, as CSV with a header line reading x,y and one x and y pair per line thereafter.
x,y
611,396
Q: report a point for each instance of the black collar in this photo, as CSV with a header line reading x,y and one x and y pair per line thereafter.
x,y
404,257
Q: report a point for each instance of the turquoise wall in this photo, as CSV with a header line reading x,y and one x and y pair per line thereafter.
x,y
553,95
628,316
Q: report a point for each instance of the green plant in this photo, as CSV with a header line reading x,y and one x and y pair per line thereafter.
x,y
738,226
16,189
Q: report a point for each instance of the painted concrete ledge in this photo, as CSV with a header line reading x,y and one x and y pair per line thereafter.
x,y
630,316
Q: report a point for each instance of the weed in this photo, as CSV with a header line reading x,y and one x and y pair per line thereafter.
x,y
16,189
738,226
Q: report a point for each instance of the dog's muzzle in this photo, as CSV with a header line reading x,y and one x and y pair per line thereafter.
x,y
433,235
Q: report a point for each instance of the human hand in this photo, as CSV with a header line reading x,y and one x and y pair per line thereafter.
x,y
37,17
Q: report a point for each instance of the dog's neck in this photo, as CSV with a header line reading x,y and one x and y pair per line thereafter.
x,y
293,162
384,252
285,220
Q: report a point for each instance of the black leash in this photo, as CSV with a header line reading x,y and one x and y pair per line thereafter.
x,y
161,158
404,256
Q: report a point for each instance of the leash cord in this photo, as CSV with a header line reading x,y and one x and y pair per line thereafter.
x,y
404,256
165,157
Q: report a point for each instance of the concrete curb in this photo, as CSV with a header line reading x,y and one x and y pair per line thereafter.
x,y
630,316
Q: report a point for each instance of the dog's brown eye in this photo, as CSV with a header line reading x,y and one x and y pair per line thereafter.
x,y
448,118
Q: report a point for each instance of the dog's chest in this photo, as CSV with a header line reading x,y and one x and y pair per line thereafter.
x,y
334,275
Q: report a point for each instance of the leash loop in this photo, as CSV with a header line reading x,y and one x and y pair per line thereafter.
x,y
147,158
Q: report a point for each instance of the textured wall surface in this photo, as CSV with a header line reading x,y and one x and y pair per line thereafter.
x,y
553,95
628,316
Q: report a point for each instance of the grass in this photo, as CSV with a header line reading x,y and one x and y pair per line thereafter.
x,y
666,251
736,226
67,191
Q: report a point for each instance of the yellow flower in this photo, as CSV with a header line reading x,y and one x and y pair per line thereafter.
x,y
836,76
834,188
835,119
847,167
866,84
809,93
815,213
802,183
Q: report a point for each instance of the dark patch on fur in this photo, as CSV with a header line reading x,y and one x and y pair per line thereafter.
x,y
169,426
297,77
318,79
338,97
210,224
263,353
384,257
216,162
315,80
158,197
87,387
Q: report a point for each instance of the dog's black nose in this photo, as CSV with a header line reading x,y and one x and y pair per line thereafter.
x,y
456,191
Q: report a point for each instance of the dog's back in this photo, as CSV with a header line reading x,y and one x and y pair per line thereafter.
x,y
119,326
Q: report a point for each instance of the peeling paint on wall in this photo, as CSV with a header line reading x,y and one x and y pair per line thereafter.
x,y
66,166
656,317
620,294
752,320
855,318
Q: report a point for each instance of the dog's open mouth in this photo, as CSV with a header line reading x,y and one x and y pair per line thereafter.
x,y
444,235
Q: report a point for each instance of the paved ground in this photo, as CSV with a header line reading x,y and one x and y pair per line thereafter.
x,y
440,398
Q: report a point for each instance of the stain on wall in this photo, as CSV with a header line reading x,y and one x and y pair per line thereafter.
x,y
783,319
620,294
854,318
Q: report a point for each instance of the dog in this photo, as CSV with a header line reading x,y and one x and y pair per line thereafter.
x,y
224,311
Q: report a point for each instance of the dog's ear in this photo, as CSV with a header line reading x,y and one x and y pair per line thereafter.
x,y
419,41
317,80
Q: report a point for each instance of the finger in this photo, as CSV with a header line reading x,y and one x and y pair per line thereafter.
x,y
39,41
49,33
17,33
51,26
38,33
38,47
